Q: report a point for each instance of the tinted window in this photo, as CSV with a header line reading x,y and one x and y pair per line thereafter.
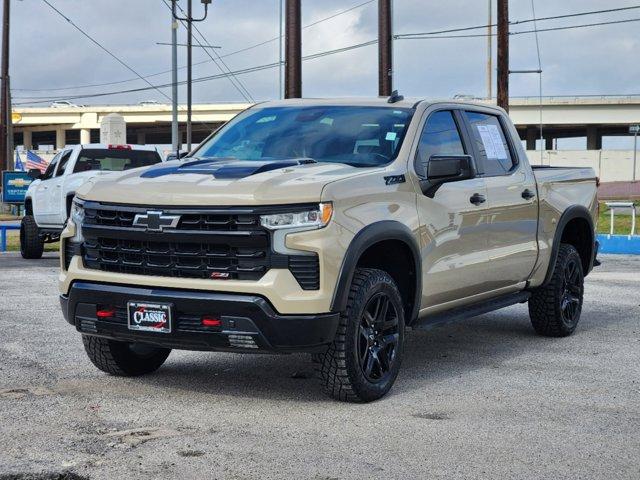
x,y
359,136
114,160
64,160
491,141
48,173
439,137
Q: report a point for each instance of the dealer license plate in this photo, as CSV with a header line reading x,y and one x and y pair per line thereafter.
x,y
150,317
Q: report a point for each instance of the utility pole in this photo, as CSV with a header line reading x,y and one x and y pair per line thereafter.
x,y
189,19
385,48
175,130
280,86
490,51
503,54
293,50
5,111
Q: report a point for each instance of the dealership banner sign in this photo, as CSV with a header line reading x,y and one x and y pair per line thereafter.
x,y
14,186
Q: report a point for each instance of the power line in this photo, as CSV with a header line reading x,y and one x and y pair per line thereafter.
x,y
428,36
196,80
238,85
164,72
102,47
517,22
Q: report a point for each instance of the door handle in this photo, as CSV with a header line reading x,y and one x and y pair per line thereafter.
x,y
477,199
528,194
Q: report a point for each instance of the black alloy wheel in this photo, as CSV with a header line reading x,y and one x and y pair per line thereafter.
x,y
378,338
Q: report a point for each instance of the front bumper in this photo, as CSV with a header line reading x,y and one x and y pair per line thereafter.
x,y
249,323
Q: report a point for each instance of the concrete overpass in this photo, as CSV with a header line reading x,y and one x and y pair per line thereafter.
x,y
562,117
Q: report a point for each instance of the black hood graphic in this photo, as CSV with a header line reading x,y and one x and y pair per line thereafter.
x,y
222,168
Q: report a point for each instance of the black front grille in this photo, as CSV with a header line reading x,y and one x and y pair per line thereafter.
x,y
218,220
70,249
214,243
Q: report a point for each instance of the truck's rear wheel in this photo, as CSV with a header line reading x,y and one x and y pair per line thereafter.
x,y
122,358
555,309
364,359
31,245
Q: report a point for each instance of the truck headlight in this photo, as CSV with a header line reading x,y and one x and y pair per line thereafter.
x,y
311,219
77,217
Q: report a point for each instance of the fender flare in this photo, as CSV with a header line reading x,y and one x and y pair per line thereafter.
x,y
571,213
365,238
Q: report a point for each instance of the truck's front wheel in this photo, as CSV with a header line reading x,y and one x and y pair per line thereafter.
x,y
31,245
555,309
364,359
122,358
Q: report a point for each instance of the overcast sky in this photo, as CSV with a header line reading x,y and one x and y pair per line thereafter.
x,y
47,52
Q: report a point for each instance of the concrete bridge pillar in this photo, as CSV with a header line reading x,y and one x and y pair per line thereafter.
x,y
61,138
27,139
594,138
532,136
85,136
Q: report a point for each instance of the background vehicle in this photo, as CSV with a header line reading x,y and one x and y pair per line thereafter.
x,y
327,226
48,200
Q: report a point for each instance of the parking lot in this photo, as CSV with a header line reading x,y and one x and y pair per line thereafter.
x,y
485,398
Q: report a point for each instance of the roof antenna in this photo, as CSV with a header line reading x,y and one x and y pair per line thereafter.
x,y
395,97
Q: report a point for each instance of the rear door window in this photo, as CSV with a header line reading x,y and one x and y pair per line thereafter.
x,y
491,141
114,160
440,136
64,161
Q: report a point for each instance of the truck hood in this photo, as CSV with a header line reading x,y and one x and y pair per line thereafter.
x,y
219,182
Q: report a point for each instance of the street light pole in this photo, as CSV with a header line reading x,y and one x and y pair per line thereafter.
x,y
189,19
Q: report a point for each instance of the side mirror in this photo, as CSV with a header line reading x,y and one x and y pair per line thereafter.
x,y
444,169
34,173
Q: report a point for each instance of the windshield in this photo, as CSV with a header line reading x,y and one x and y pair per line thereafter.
x,y
358,136
114,160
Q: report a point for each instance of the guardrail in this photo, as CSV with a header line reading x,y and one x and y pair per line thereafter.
x,y
3,235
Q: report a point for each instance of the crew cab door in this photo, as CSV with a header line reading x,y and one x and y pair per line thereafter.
x,y
453,220
512,197
42,205
57,192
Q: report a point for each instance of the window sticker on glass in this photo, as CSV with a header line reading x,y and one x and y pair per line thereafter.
x,y
492,141
391,136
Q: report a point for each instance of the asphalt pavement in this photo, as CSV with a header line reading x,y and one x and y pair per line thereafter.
x,y
485,398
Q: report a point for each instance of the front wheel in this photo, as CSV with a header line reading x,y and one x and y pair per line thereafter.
x,y
31,245
363,361
122,358
555,309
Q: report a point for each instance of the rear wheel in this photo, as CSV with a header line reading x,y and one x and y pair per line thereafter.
x,y
31,245
122,358
555,309
363,361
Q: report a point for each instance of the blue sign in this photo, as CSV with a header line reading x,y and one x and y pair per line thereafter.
x,y
14,186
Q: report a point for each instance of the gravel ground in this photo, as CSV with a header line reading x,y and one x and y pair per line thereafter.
x,y
484,398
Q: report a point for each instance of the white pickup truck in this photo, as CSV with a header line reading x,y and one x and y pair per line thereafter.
x,y
48,199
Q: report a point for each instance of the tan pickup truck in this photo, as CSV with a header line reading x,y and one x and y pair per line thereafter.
x,y
331,227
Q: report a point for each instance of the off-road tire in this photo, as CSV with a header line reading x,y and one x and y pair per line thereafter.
x,y
119,358
31,245
339,368
546,303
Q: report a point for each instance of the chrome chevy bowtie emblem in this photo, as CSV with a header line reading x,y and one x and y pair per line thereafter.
x,y
156,221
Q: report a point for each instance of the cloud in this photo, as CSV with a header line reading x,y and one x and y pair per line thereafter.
x,y
47,52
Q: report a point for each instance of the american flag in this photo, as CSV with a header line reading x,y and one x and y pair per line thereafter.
x,y
34,161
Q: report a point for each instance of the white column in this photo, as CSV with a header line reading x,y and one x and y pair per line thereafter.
x,y
85,136
27,139
61,138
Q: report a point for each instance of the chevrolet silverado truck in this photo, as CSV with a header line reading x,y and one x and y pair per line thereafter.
x,y
48,199
330,227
